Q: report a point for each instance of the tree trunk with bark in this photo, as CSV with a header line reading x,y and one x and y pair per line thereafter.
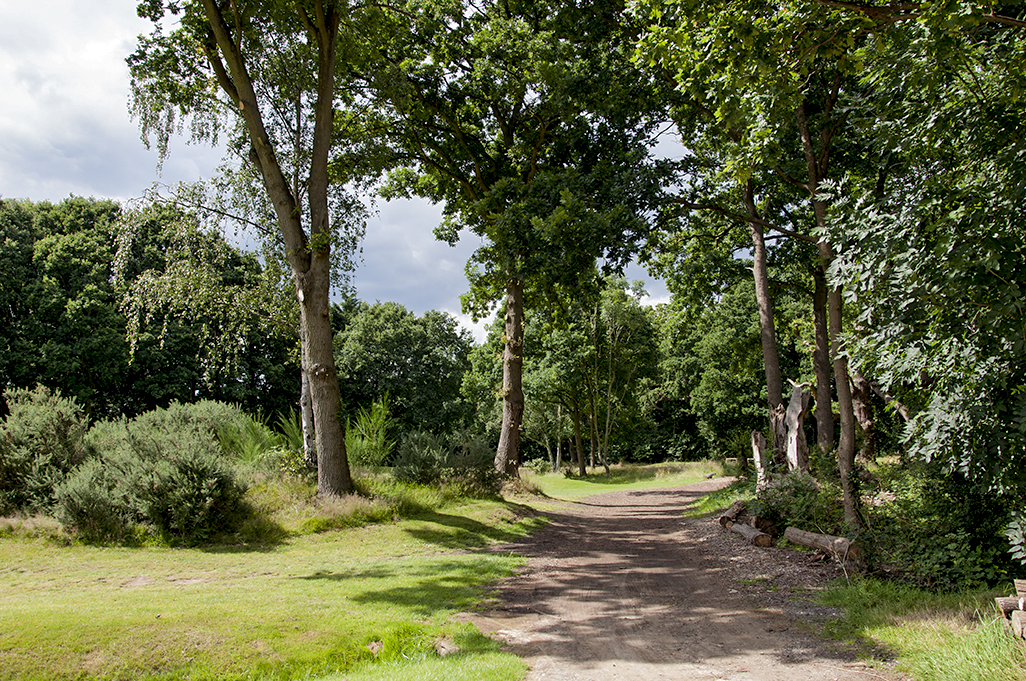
x,y
767,331
578,444
821,362
862,395
507,456
307,255
817,163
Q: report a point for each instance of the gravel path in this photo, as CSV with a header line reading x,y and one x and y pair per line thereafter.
x,y
621,586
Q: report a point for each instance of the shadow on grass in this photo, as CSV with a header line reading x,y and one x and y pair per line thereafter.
x,y
460,532
425,589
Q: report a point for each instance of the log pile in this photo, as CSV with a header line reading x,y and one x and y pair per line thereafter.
x,y
736,520
1014,609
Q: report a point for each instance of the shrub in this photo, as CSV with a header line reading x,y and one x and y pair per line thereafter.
x,y
797,499
367,441
939,530
41,441
464,464
165,469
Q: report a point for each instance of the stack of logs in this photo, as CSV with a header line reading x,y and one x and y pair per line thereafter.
x,y
760,531
1014,609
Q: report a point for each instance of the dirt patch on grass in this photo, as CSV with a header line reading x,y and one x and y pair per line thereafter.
x,y
622,586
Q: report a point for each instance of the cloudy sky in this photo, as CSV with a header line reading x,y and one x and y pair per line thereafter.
x,y
65,129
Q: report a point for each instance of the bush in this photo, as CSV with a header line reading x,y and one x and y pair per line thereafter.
x,y
367,442
940,531
798,500
165,469
91,503
464,464
41,441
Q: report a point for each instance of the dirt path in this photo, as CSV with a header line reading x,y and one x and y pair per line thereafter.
x,y
621,586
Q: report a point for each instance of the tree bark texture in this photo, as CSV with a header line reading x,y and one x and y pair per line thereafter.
x,y
578,444
862,395
306,418
821,363
752,535
760,458
767,331
308,257
797,447
507,456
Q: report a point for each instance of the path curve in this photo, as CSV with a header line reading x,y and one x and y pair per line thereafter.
x,y
620,587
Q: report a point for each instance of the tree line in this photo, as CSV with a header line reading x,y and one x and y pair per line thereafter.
x,y
857,166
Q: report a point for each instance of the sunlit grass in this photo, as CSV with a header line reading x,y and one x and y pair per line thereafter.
x,y
936,637
305,607
623,477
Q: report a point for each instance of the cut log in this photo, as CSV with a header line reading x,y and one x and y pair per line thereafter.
x,y
1009,605
843,549
764,525
1019,623
730,515
753,535
1020,588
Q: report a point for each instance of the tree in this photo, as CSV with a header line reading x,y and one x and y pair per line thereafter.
x,y
776,83
932,253
529,123
418,362
220,68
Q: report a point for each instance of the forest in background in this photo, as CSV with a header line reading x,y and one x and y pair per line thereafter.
x,y
847,216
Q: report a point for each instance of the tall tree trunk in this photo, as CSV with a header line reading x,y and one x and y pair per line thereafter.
x,y
559,438
308,256
578,444
507,457
821,362
817,164
593,428
333,476
760,270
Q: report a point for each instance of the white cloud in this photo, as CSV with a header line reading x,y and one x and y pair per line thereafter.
x,y
65,129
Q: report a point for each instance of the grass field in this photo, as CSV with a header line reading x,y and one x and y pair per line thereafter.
x,y
622,477
305,608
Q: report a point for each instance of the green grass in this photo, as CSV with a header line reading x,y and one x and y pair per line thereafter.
x,y
622,477
304,608
935,637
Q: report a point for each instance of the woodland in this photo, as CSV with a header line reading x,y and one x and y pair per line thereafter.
x,y
842,235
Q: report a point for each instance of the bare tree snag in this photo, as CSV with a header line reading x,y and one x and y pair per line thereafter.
x,y
760,458
843,549
797,446
862,408
752,535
